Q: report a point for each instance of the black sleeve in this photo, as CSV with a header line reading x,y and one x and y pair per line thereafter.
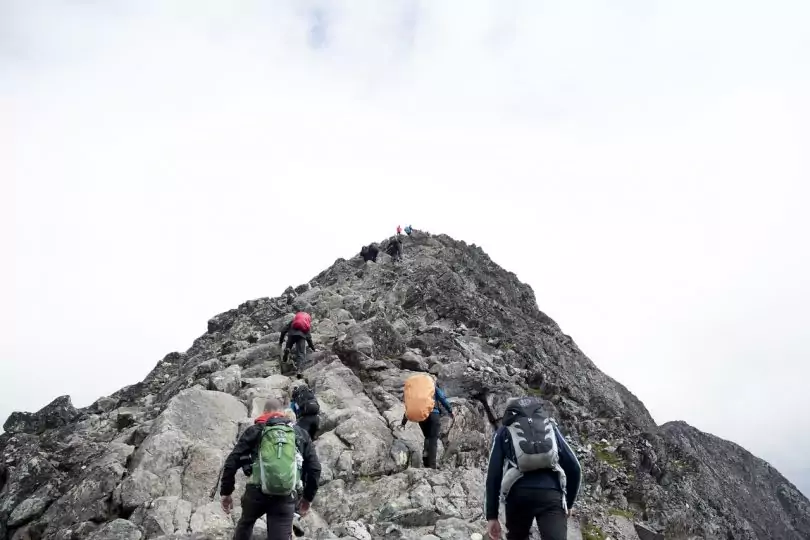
x,y
494,476
309,340
244,447
284,333
573,471
311,470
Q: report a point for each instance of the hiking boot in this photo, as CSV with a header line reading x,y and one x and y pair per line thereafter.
x,y
297,529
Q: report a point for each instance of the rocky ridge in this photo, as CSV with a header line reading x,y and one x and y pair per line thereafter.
x,y
144,462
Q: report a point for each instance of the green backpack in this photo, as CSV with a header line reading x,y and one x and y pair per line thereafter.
x,y
278,466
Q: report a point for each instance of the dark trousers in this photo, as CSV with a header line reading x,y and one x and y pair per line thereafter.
x,y
524,505
310,423
298,344
431,427
279,510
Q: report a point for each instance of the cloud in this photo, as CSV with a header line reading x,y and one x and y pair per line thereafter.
x,y
641,165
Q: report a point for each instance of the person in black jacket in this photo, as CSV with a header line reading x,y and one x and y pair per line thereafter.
x,y
306,408
298,339
539,494
370,252
394,248
280,510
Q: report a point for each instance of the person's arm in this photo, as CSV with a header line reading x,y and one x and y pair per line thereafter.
x,y
309,340
443,400
311,470
492,494
243,447
573,471
284,333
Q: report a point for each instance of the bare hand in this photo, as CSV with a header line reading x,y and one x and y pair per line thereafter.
x,y
303,508
227,504
494,529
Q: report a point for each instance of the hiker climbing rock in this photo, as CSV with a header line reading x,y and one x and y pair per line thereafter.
x,y
370,252
395,248
532,469
284,464
408,230
422,398
306,408
298,336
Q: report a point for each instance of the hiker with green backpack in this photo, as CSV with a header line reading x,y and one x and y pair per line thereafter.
x,y
283,467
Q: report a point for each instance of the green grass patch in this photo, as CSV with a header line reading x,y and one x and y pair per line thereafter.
x,y
601,453
623,513
592,532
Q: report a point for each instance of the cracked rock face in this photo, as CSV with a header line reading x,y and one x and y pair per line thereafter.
x,y
145,462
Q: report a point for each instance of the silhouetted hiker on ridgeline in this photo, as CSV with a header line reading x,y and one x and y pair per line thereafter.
x,y
271,446
298,336
394,249
306,408
422,397
370,252
534,471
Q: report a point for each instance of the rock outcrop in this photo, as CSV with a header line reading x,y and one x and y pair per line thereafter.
x,y
145,462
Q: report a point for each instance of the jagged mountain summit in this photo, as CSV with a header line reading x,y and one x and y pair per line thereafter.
x,y
145,462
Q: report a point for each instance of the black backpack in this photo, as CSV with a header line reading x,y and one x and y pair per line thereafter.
x,y
305,399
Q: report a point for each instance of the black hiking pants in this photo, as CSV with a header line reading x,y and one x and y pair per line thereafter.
x,y
298,344
310,423
431,427
524,505
279,511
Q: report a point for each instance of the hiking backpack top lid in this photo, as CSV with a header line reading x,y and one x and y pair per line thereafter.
x,y
302,321
419,397
306,401
532,433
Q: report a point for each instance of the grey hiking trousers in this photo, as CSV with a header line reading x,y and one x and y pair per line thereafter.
x,y
298,346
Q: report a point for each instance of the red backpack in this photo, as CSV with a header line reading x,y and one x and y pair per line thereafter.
x,y
302,321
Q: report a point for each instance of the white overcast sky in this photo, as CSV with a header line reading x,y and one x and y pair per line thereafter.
x,y
643,164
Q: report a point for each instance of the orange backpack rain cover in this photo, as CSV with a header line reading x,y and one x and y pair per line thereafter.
x,y
420,393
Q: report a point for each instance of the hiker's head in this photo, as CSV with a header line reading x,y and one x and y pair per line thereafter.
x,y
273,405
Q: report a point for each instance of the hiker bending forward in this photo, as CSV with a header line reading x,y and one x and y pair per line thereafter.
x,y
432,425
306,408
272,447
298,336
532,469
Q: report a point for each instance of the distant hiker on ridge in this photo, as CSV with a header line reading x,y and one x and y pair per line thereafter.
x,y
277,477
422,398
408,230
298,337
395,248
369,252
399,230
532,469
